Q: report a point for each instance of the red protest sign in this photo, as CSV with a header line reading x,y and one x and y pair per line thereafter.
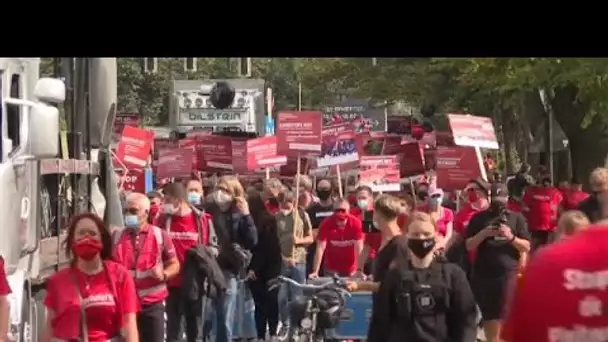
x,y
262,152
192,144
215,152
456,166
134,147
176,162
338,145
411,160
473,131
122,120
381,173
135,180
199,132
239,154
299,133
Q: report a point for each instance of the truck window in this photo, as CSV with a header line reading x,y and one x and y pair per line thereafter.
x,y
13,112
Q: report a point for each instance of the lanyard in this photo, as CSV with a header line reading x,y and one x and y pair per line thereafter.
x,y
136,243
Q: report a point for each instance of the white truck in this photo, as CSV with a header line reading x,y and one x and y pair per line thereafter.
x,y
30,147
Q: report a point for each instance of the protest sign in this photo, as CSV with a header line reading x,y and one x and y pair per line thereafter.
x,y
381,173
215,153
339,145
134,147
299,133
456,166
473,131
176,162
262,152
357,113
411,160
122,120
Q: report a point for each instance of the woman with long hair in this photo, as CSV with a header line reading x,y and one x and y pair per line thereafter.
x,y
94,299
237,235
265,265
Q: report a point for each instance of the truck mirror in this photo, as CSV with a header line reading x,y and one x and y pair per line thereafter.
x,y
50,90
222,95
44,130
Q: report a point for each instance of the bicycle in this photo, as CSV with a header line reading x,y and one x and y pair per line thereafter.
x,y
319,308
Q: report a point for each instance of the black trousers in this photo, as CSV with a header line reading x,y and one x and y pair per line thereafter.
x,y
266,307
151,323
540,238
178,307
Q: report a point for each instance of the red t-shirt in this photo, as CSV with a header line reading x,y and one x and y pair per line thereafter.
x,y
462,218
442,223
572,199
542,204
402,221
561,293
184,235
515,206
4,288
105,303
340,253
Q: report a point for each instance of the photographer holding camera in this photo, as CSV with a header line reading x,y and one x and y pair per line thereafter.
x,y
500,238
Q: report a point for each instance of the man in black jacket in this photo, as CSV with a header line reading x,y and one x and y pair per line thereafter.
x,y
594,205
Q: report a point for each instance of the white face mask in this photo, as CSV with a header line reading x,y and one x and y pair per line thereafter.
x,y
221,198
168,208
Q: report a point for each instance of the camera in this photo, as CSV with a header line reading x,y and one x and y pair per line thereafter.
x,y
500,219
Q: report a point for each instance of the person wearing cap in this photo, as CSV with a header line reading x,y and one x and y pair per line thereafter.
x,y
500,238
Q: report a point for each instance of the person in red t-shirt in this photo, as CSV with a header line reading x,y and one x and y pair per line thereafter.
x,y
5,290
339,242
561,294
541,206
179,220
364,211
103,289
574,196
444,217
148,252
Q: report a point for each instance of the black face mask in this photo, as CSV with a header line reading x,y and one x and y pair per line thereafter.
x,y
323,194
421,247
273,201
546,182
423,195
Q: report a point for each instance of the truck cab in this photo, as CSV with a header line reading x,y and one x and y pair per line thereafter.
x,y
30,129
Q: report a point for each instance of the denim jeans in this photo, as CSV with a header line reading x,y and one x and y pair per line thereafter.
x,y
288,292
223,310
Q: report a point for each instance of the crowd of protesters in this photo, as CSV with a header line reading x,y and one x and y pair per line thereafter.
x,y
185,248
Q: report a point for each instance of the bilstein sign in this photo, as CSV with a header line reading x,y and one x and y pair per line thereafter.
x,y
193,116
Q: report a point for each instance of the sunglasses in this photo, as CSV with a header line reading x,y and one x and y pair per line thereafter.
x,y
131,211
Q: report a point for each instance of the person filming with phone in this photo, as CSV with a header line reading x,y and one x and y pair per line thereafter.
x,y
500,238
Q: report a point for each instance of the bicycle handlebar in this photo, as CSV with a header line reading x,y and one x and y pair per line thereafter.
x,y
333,284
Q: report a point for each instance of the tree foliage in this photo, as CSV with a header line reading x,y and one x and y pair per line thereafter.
x,y
506,89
